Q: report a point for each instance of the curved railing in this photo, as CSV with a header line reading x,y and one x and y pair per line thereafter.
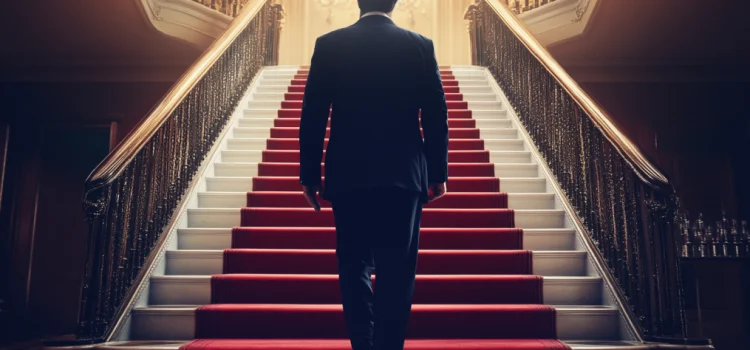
x,y
626,206
132,196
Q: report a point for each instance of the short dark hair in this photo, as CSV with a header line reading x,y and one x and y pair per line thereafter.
x,y
376,5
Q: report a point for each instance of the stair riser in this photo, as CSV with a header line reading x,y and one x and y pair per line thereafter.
x,y
514,170
257,156
211,263
197,291
180,325
215,218
275,89
220,239
244,184
476,114
480,105
491,145
257,122
281,96
293,133
239,200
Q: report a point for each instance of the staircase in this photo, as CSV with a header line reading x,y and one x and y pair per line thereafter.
x,y
499,259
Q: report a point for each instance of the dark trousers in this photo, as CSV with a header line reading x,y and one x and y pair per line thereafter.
x,y
377,228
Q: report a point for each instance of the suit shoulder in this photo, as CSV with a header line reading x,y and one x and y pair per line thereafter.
x,y
336,33
417,36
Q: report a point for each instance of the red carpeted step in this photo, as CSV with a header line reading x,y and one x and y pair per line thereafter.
x,y
443,75
271,321
307,217
431,262
445,82
344,344
324,289
452,113
456,184
292,156
429,238
293,133
298,105
299,96
456,169
446,89
295,123
455,200
453,145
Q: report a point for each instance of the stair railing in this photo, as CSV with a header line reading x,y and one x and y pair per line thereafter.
x,y
133,195
626,207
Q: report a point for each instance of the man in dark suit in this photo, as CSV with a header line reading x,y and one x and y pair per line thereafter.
x,y
374,78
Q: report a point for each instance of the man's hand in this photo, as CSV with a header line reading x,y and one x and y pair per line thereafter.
x,y
311,196
437,191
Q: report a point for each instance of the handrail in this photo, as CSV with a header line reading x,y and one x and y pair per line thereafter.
x,y
628,209
647,171
133,195
116,161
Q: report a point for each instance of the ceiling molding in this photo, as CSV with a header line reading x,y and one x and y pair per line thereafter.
x,y
560,20
185,20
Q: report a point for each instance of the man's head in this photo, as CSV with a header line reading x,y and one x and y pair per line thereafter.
x,y
376,5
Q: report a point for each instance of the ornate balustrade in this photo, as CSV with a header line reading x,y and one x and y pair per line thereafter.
x,y
133,195
626,207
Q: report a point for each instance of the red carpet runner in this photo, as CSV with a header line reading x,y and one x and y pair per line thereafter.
x,y
475,288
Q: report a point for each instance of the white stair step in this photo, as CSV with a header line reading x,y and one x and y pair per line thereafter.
x,y
229,217
264,104
523,185
239,200
256,122
516,170
494,123
514,157
256,155
243,132
508,185
498,134
247,144
504,145
264,113
210,262
521,201
265,88
221,238
279,96
178,323
196,290
268,122
235,168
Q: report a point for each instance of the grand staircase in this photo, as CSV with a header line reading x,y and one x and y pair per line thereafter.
x,y
251,267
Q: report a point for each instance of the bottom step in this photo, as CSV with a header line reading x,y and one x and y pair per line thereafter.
x,y
441,344
178,323
344,344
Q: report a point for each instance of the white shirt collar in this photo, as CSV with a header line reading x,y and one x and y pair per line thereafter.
x,y
373,13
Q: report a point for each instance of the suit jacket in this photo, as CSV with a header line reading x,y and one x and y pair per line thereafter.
x,y
373,78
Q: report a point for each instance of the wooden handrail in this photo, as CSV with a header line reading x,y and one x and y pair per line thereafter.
x,y
645,170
